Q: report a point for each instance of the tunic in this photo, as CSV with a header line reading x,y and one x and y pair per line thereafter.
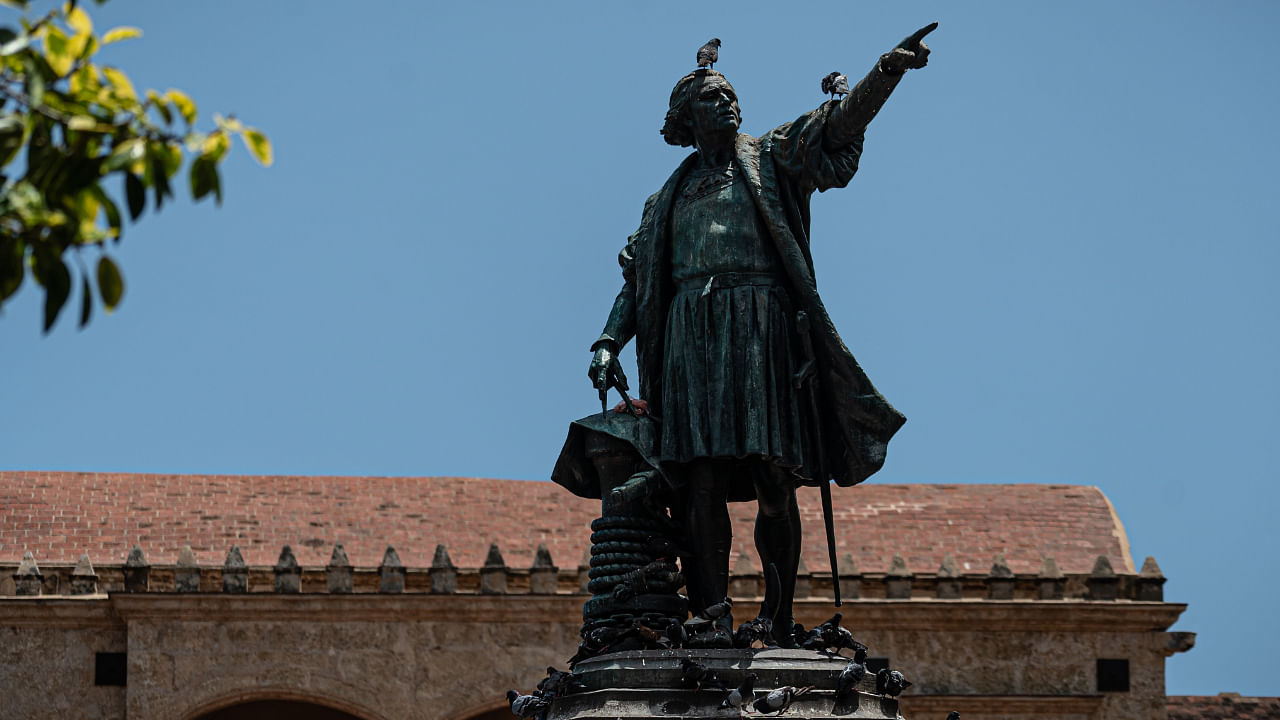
x,y
729,358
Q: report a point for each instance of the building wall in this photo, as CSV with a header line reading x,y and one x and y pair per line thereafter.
x,y
421,666
381,656
47,651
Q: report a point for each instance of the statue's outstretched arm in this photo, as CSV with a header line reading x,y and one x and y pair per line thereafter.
x,y
849,119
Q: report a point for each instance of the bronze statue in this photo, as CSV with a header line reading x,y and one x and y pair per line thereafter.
x,y
753,390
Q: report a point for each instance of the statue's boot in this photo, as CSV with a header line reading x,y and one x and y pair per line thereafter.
x,y
778,541
774,542
710,538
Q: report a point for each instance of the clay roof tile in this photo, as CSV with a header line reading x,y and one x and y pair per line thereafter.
x,y
106,514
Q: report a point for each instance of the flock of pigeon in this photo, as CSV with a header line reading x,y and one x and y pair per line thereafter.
x,y
836,83
829,637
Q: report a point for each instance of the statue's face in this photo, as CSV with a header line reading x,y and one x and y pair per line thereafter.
x,y
714,108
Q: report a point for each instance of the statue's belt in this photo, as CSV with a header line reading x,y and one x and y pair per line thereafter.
x,y
707,283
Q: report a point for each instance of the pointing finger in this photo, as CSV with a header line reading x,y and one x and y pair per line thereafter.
x,y
918,35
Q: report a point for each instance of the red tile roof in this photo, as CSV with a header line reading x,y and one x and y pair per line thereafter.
x,y
59,515
1227,706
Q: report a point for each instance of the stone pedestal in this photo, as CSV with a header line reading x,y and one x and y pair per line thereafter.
x,y
646,684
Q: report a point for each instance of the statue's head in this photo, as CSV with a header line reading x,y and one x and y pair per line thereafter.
x,y
702,102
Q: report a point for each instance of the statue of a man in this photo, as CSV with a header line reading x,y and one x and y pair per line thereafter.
x,y
738,359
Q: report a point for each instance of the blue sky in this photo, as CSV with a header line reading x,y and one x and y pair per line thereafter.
x,y
1058,258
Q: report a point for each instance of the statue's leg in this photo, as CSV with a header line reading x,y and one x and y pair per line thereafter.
x,y
710,533
682,515
778,540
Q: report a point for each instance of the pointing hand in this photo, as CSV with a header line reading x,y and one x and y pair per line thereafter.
x,y
911,53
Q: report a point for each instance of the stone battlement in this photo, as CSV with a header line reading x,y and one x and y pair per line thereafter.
x,y
136,573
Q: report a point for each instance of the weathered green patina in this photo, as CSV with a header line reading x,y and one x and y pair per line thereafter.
x,y
739,361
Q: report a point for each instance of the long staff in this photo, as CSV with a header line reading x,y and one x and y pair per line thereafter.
x,y
809,373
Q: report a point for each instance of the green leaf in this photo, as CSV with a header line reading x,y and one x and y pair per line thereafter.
x,y
109,208
88,123
35,82
82,38
110,284
85,207
125,155
27,202
120,83
203,176
159,178
259,146
161,107
216,145
168,155
12,130
68,105
186,107
86,302
79,21
217,187
120,33
51,272
57,50
84,82
136,195
11,266
85,47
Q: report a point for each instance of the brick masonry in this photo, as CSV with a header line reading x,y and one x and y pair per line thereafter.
x,y
60,515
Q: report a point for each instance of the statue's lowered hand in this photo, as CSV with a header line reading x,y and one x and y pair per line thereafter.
x,y
605,370
599,369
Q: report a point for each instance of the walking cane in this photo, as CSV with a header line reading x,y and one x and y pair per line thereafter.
x,y
808,373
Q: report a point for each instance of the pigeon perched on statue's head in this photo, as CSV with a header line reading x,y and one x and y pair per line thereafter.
x,y
709,54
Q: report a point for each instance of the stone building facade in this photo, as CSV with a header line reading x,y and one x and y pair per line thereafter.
x,y
213,598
